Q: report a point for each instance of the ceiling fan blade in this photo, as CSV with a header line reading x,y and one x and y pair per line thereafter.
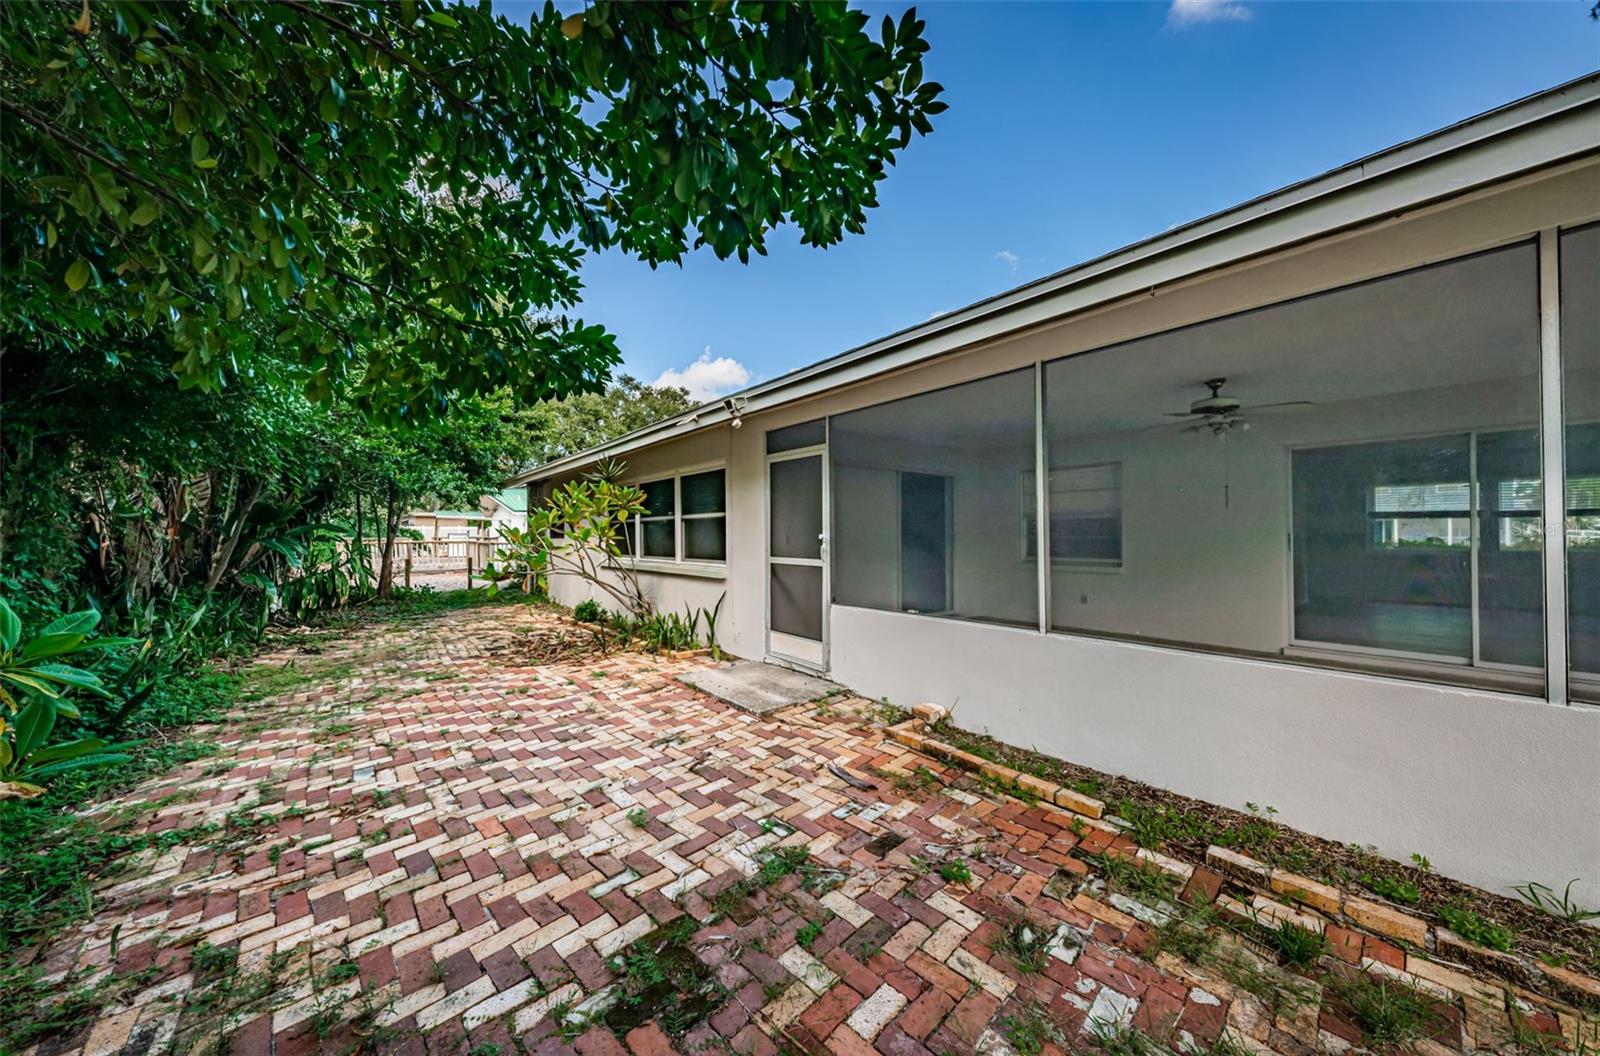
x,y
1287,405
1180,414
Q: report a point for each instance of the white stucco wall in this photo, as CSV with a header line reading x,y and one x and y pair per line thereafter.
x,y
1495,789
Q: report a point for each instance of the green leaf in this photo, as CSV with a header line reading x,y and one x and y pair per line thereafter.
x,y
87,762
70,676
10,626
81,622
24,677
32,728
78,275
50,645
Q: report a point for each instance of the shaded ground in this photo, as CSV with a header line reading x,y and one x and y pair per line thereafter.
x,y
470,832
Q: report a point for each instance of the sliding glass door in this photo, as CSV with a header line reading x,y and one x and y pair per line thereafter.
x,y
1422,547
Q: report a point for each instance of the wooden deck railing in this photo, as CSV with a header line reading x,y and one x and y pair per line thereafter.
x,y
428,555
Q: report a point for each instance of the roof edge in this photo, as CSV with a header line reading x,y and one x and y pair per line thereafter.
x,y
1362,172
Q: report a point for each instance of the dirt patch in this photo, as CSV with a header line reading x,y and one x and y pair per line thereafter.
x,y
1186,827
881,846
663,980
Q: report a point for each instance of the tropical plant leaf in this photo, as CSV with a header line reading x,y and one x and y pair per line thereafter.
x,y
79,623
10,627
32,729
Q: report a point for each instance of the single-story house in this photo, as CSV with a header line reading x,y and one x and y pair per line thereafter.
x,y
1268,508
505,508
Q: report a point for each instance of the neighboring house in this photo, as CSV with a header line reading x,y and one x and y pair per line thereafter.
x,y
506,508
1253,510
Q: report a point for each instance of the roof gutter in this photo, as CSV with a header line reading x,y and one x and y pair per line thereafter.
x,y
1531,133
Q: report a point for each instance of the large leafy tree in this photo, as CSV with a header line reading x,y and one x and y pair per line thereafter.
x,y
562,427
398,195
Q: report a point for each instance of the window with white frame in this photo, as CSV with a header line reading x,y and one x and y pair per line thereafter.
x,y
1431,514
685,519
1085,504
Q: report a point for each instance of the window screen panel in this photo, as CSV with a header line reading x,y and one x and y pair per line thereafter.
x,y
705,539
795,487
659,498
796,600
1580,353
1325,505
964,449
704,492
659,539
793,437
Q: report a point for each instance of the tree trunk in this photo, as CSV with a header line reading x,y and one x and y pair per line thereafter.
x,y
392,524
221,560
359,554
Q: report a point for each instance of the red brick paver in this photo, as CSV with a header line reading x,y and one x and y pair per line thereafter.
x,y
437,850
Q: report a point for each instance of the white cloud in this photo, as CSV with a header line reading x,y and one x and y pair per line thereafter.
x,y
706,377
1184,13
1011,259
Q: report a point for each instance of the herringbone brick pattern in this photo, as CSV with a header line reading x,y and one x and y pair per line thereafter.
x,y
443,847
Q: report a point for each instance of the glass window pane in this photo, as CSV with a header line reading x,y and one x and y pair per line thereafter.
x,y
925,508
626,537
797,600
704,492
1383,545
1085,515
925,526
1298,480
658,539
658,498
705,539
1510,549
796,495
1580,353
791,437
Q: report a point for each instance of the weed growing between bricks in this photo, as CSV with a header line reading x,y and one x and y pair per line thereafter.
x,y
1185,827
1028,1029
1388,1013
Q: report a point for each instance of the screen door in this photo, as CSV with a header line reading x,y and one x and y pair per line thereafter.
x,y
797,550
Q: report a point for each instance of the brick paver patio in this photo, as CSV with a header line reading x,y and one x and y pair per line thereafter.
x,y
446,848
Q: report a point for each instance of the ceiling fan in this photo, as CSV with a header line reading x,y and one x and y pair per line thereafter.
x,y
1220,414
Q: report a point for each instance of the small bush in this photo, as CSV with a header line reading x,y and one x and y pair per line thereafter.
x,y
588,611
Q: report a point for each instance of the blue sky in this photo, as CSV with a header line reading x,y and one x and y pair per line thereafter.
x,y
1075,129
